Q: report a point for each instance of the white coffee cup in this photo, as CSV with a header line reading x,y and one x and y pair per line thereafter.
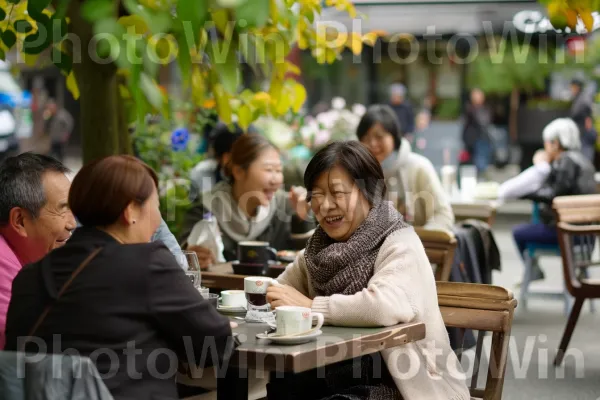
x,y
233,298
292,320
258,284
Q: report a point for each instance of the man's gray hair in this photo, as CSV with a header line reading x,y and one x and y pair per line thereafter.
x,y
397,89
564,130
21,183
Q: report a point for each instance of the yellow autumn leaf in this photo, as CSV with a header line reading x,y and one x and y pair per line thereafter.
x,y
166,48
299,97
282,105
370,38
198,87
222,103
355,43
221,19
30,59
136,22
588,19
262,97
302,42
244,117
292,68
72,85
331,56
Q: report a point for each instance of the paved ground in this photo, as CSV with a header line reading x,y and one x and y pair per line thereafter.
x,y
537,331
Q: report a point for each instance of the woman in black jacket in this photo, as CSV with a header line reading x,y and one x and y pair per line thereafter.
x,y
113,296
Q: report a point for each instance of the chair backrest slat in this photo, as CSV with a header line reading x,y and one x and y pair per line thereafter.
x,y
439,246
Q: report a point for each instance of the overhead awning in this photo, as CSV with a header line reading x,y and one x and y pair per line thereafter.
x,y
439,17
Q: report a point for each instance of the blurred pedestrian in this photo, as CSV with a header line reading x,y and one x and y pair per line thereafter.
x,y
581,105
402,107
589,136
476,139
59,124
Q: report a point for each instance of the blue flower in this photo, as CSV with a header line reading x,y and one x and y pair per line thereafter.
x,y
179,139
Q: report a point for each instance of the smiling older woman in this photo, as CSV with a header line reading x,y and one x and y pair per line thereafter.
x,y
365,267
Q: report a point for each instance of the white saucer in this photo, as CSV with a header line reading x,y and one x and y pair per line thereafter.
x,y
290,340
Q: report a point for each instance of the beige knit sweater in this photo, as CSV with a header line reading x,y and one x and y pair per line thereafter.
x,y
402,289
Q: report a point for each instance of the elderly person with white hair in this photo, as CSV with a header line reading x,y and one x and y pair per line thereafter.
x,y
532,179
559,170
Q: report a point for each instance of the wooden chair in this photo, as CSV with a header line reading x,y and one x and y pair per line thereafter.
x,y
483,211
578,229
439,247
483,308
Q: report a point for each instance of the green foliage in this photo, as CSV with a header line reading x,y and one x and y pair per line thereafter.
x,y
510,66
448,109
210,39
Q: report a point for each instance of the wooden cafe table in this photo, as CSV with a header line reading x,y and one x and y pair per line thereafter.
x,y
334,345
221,277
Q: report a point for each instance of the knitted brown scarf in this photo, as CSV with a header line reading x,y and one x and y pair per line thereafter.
x,y
346,267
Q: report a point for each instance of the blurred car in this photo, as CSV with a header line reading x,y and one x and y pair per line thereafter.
x,y
15,112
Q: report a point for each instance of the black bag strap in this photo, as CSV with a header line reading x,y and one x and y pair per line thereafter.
x,y
60,293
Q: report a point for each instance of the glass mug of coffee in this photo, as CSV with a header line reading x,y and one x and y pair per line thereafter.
x,y
255,288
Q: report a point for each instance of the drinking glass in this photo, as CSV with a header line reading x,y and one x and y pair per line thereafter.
x,y
468,181
190,259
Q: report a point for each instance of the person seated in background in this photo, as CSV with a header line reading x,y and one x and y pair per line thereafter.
x,y
414,185
365,267
110,289
533,178
34,216
209,172
250,204
568,172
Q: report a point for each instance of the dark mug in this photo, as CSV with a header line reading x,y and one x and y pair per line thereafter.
x,y
251,252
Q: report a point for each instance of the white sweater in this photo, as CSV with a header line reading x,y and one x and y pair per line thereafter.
x,y
414,178
401,290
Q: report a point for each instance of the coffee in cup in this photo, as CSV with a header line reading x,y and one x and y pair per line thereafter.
x,y
253,252
233,298
292,320
255,288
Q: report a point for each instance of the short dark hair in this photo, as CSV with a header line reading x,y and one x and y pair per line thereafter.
x,y
384,115
577,82
22,185
102,189
223,138
356,159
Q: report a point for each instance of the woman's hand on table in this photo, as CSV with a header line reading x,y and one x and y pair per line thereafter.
x,y
205,256
299,203
283,295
